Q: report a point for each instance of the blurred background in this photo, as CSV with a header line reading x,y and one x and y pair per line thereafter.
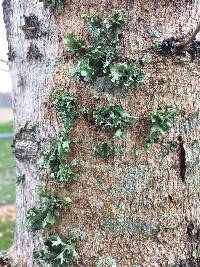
x,y
7,161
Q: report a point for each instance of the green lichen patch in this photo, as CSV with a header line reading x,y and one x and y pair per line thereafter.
x,y
114,118
65,108
101,58
109,261
161,121
127,75
59,251
56,159
85,110
47,210
106,149
73,44
109,30
54,4
146,59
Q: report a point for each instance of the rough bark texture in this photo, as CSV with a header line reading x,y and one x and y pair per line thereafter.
x,y
140,211
30,79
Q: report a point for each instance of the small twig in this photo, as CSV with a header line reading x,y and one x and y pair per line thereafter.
x,y
190,39
4,70
3,61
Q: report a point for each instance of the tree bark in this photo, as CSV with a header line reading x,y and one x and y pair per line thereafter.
x,y
136,210
190,39
30,81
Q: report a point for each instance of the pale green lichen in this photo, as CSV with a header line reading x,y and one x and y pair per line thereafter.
x,y
109,261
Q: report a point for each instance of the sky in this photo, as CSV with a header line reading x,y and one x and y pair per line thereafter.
x,y
5,81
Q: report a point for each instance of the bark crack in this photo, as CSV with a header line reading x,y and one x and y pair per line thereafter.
x,y
181,158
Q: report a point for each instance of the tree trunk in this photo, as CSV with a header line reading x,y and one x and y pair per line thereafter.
x,y
137,211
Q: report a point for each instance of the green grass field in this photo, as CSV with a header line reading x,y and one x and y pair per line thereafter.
x,y
7,184
6,127
7,167
6,235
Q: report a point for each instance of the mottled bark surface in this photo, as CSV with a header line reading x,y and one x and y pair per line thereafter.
x,y
30,79
138,211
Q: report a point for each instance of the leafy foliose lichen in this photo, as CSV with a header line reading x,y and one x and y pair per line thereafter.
x,y
109,30
65,108
101,58
151,140
47,210
106,149
65,173
127,75
113,117
161,121
146,59
56,159
85,110
54,4
109,261
59,251
73,44
95,63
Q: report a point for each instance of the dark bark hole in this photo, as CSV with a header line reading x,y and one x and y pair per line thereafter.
x,y
89,118
195,49
193,231
33,52
190,229
182,158
170,199
20,81
31,27
169,46
11,53
197,234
